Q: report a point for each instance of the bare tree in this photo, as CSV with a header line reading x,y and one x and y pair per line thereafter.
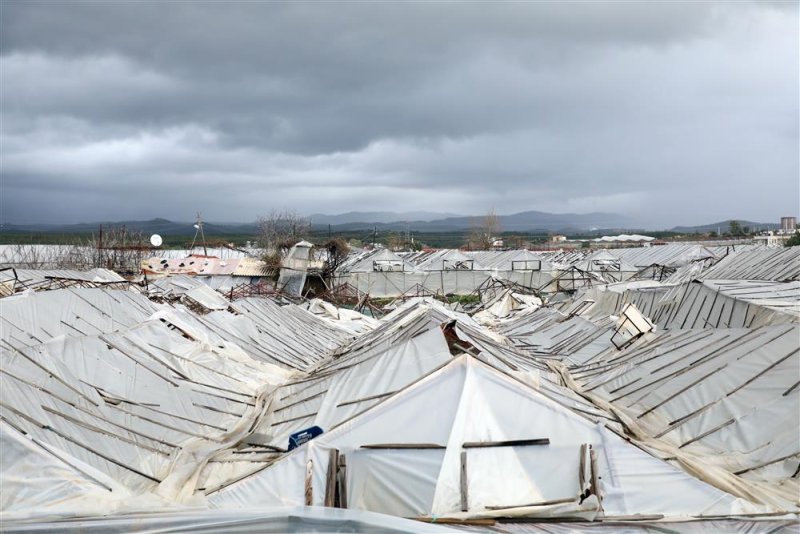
x,y
114,248
484,231
395,241
278,232
336,251
24,256
280,228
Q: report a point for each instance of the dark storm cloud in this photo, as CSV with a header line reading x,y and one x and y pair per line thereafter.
x,y
138,109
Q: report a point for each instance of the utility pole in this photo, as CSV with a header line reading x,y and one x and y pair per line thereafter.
x,y
199,230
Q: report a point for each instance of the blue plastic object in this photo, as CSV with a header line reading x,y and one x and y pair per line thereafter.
x,y
304,436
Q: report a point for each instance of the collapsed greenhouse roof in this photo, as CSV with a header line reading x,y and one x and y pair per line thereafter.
x,y
670,400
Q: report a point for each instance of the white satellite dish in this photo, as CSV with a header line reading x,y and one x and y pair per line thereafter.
x,y
156,240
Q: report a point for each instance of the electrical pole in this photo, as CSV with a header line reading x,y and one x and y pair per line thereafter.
x,y
199,230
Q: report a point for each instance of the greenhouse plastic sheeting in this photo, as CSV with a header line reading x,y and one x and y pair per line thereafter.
x,y
271,520
465,401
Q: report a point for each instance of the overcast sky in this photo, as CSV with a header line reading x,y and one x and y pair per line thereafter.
x,y
671,113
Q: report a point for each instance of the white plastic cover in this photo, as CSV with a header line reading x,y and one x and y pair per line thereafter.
x,y
467,401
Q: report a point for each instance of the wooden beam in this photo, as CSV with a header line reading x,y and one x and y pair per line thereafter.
x,y
309,488
509,443
341,482
541,503
79,444
764,464
330,479
595,477
583,490
464,484
634,517
365,399
707,433
450,521
403,446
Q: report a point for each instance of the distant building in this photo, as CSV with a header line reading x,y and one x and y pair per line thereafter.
x,y
558,238
778,238
625,238
788,224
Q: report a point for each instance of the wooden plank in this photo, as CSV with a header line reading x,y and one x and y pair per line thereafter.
x,y
770,462
451,521
265,446
299,417
300,401
508,443
582,478
679,392
541,503
791,389
707,433
176,416
330,479
464,484
84,410
49,373
765,370
403,446
309,488
634,517
159,423
78,443
154,357
341,480
152,371
764,514
102,431
365,399
76,468
217,410
595,477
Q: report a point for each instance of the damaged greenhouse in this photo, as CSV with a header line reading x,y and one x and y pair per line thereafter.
x,y
640,388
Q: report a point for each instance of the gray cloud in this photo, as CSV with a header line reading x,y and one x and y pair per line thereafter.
x,y
669,113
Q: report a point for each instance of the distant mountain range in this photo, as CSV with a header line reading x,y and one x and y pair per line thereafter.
x,y
383,217
724,226
417,221
153,226
528,221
